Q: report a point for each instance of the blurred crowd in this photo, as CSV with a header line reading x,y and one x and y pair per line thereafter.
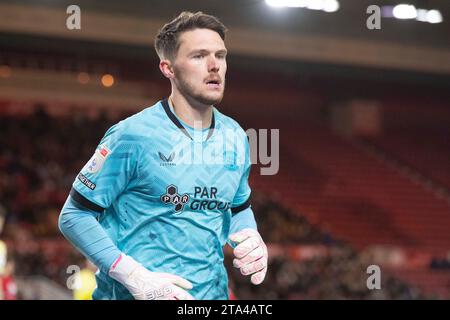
x,y
331,270
342,275
39,157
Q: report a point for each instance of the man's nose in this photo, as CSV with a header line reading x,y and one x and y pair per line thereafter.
x,y
213,64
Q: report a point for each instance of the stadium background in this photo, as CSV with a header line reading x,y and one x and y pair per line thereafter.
x,y
364,120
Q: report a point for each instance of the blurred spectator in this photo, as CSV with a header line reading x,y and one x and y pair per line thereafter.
x,y
8,288
3,250
440,263
85,281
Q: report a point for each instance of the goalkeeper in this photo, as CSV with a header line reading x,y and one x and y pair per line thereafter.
x,y
167,188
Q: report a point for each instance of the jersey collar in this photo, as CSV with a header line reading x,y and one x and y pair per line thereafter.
x,y
177,122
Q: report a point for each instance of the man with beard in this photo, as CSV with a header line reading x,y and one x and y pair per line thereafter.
x,y
167,188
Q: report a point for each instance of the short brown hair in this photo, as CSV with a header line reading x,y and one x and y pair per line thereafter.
x,y
166,41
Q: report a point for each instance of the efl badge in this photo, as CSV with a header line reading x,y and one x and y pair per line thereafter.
x,y
95,164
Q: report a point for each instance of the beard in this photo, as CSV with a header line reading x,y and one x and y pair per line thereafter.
x,y
189,91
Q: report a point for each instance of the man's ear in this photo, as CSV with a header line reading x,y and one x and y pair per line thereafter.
x,y
166,68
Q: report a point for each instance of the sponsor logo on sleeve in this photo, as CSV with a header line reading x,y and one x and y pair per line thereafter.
x,y
95,164
88,183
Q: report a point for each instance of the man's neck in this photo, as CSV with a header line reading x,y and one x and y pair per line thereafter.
x,y
190,114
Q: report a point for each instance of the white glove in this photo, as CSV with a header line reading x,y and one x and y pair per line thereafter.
x,y
251,254
146,285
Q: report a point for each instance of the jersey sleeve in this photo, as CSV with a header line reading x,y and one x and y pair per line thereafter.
x,y
241,200
108,172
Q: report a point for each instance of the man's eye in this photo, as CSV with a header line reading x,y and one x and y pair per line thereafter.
x,y
198,56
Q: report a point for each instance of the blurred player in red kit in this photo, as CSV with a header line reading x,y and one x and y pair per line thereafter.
x,y
8,289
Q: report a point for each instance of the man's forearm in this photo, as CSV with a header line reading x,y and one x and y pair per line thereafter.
x,y
80,226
